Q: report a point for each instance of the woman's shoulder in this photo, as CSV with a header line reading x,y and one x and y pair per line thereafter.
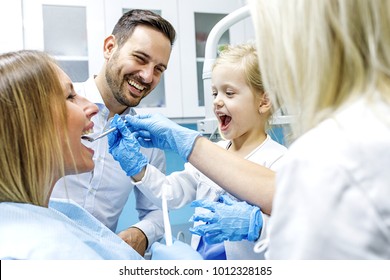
x,y
33,232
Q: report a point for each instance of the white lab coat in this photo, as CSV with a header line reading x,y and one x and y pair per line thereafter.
x,y
64,231
190,184
332,197
104,191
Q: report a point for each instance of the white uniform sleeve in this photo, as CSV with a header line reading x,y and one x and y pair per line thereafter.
x,y
149,214
181,186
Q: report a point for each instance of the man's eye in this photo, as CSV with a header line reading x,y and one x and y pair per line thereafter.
x,y
160,69
140,58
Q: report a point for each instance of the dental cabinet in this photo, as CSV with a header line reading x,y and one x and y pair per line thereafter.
x,y
73,31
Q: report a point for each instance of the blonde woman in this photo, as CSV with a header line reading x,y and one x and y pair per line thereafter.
x,y
42,121
328,63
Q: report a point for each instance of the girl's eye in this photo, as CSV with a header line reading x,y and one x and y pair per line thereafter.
x,y
229,93
214,94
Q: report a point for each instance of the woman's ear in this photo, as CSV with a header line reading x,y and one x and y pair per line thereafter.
x,y
109,46
265,104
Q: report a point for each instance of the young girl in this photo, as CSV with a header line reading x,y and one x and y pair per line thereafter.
x,y
243,110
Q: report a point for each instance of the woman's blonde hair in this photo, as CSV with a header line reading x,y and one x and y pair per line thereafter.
x,y
317,56
33,114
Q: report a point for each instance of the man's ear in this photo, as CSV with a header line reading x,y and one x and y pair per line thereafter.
x,y
109,46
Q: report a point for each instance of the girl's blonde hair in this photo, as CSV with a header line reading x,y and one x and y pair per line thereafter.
x,y
33,114
244,56
317,56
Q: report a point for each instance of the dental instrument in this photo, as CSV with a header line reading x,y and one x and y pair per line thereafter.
x,y
106,131
91,139
167,225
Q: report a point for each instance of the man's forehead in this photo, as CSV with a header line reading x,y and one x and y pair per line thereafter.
x,y
150,43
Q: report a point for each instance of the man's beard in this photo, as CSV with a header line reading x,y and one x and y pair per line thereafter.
x,y
117,90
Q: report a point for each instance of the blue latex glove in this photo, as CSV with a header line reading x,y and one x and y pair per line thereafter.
x,y
227,220
158,131
177,251
125,148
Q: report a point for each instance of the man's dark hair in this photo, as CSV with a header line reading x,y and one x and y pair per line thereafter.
x,y
127,23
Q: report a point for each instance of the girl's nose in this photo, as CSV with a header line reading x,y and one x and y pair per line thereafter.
x,y
218,102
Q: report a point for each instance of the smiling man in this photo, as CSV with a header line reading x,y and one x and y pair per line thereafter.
x,y
136,55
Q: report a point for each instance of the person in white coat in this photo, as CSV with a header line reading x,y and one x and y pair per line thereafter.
x,y
243,109
328,64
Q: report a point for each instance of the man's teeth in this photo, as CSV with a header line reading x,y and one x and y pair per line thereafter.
x,y
137,86
89,131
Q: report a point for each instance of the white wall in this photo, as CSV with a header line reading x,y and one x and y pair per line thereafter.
x,y
11,26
